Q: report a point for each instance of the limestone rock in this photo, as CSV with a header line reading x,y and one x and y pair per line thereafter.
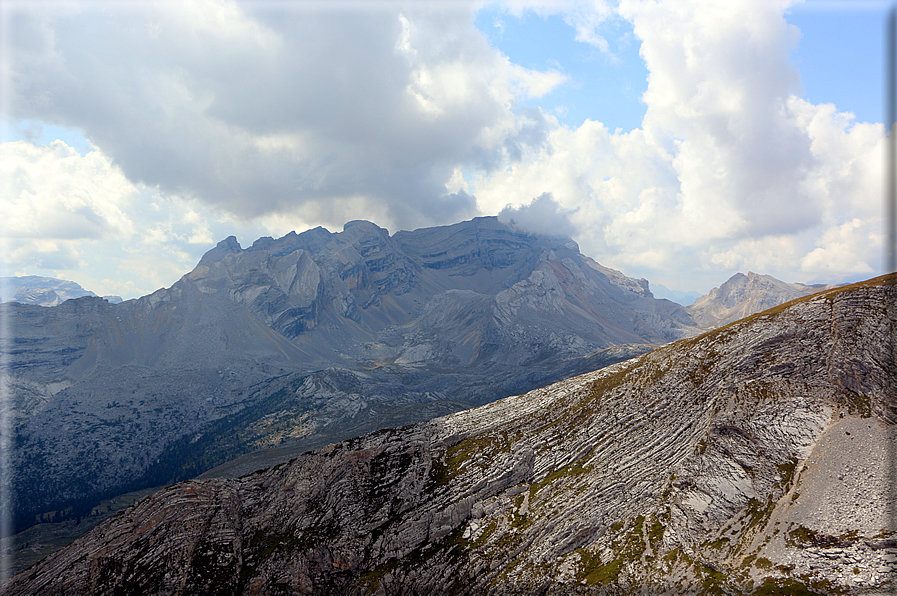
x,y
743,295
117,397
705,466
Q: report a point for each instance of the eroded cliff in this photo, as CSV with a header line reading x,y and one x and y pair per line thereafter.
x,y
397,329
706,466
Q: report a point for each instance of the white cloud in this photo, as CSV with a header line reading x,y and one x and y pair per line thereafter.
x,y
53,192
543,215
730,171
850,246
585,16
78,217
215,117
257,109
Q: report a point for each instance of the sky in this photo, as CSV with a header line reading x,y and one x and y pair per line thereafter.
x,y
680,141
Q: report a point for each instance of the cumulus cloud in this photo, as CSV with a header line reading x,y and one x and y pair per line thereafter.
x,y
52,192
79,217
730,170
212,117
259,109
586,17
543,215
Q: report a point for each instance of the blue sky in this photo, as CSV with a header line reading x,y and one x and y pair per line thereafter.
x,y
184,124
604,86
839,55
841,58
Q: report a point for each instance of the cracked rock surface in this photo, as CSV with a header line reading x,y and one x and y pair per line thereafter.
x,y
749,459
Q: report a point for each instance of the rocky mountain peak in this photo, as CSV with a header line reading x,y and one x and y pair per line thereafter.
x,y
410,324
226,247
742,295
728,463
365,227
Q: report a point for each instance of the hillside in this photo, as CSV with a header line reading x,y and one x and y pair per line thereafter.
x,y
298,342
750,459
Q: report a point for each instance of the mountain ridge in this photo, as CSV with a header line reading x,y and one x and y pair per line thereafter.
x,y
699,467
742,295
107,392
43,291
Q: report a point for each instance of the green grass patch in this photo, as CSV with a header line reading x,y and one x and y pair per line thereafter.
x,y
763,563
655,533
593,572
482,447
786,470
712,580
758,513
372,578
858,405
783,587
570,470
484,535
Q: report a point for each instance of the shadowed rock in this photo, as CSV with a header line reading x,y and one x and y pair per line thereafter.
x,y
705,466
115,397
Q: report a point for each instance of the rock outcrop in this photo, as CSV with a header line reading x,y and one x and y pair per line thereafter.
x,y
750,459
240,353
743,295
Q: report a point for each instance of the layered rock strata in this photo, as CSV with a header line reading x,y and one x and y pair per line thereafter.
x,y
394,329
750,459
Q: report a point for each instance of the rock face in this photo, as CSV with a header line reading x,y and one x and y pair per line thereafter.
x,y
743,295
750,459
302,340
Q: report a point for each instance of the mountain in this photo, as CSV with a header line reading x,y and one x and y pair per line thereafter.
x,y
677,296
752,459
743,295
300,341
43,291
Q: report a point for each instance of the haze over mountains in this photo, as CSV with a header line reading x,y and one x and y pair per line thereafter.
x,y
43,291
306,339
749,460
297,342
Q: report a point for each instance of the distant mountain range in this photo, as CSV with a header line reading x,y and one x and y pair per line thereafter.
x,y
43,291
300,341
261,353
752,459
743,295
677,296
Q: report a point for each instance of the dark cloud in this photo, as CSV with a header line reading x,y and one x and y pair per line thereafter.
x,y
263,109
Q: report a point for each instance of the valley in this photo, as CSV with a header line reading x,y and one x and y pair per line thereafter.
x,y
706,466
299,342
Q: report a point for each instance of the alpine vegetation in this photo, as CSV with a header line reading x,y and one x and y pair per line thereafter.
x,y
751,459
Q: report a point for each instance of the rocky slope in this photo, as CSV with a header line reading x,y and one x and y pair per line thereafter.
x,y
743,295
305,339
751,459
